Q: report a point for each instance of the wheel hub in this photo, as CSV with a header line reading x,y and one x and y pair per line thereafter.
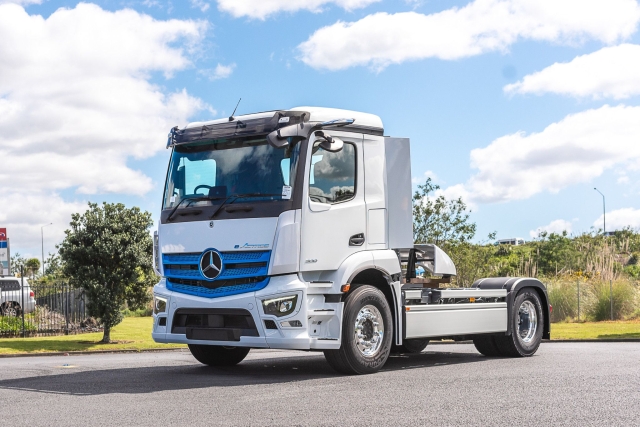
x,y
527,321
369,330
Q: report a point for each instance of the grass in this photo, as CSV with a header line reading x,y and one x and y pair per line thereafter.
x,y
134,333
621,329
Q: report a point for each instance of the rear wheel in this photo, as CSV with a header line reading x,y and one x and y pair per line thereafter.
x,y
527,325
366,333
216,355
10,309
413,346
486,345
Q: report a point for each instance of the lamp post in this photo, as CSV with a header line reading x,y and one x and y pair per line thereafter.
x,y
42,240
604,213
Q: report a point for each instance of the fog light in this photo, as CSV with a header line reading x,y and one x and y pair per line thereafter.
x,y
291,324
159,304
279,307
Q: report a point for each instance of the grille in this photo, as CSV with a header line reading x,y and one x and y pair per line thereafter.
x,y
241,272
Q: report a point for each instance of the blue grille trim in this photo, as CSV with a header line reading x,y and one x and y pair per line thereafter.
x,y
218,292
232,268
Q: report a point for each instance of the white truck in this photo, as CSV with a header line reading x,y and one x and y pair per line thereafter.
x,y
293,229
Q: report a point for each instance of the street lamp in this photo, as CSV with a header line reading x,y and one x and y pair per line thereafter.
x,y
42,240
604,213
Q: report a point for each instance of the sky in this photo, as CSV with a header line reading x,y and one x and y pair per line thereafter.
x,y
520,107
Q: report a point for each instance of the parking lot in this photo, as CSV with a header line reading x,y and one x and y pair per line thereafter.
x,y
450,384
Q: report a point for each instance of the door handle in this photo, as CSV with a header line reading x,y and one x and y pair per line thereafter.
x,y
356,239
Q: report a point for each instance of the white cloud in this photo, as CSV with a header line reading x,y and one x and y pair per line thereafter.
x,y
23,214
619,219
199,4
220,72
21,2
382,39
612,72
76,104
557,226
262,9
577,149
421,180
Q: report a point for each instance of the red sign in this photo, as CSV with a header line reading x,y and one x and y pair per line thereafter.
x,y
3,234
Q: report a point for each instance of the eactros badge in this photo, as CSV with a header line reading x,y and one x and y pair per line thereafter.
x,y
210,264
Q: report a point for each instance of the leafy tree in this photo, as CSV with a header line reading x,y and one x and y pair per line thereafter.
x,y
32,266
108,253
17,261
439,220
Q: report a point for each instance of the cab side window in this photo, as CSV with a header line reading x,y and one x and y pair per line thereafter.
x,y
333,175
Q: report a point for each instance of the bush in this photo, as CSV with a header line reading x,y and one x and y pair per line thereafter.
x,y
633,271
624,295
141,312
13,325
563,296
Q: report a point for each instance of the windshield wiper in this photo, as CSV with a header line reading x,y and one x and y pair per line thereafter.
x,y
191,199
235,197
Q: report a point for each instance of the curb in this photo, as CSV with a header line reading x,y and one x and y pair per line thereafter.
x,y
85,353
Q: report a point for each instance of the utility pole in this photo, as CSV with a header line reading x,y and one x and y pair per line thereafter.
x,y
604,213
42,241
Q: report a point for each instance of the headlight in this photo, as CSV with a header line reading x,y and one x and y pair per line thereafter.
x,y
280,306
159,304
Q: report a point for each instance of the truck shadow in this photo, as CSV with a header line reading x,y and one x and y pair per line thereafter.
x,y
150,379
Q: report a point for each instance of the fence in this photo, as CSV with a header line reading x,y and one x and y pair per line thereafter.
x,y
41,309
594,300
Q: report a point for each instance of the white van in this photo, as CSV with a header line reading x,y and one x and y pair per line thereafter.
x,y
13,297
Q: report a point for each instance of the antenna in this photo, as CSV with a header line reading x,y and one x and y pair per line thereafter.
x,y
231,118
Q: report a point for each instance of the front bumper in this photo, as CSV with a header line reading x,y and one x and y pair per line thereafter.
x,y
320,321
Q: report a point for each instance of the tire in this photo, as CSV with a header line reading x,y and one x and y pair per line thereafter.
x,y
486,345
365,308
10,309
216,355
526,335
411,346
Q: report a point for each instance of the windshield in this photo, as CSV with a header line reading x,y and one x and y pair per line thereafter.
x,y
219,169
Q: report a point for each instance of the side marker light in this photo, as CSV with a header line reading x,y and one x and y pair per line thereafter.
x,y
345,287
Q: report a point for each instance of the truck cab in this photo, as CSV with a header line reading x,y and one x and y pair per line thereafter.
x,y
290,229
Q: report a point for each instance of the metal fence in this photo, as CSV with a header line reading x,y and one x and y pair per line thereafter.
x,y
41,309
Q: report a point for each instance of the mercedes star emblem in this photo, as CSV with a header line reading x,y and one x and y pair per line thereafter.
x,y
210,264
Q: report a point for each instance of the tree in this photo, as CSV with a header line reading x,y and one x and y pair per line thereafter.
x,y
439,220
17,261
32,266
108,252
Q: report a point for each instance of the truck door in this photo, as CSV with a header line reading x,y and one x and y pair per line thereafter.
x,y
334,211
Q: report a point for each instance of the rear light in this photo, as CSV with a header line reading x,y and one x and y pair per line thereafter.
x,y
550,308
31,294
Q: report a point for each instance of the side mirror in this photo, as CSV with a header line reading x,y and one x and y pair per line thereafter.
x,y
329,143
280,138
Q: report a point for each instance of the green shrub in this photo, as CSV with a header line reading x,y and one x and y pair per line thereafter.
x,y
563,296
623,295
633,271
141,312
13,325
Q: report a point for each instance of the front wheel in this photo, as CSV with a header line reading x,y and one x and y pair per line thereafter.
x,y
216,355
366,333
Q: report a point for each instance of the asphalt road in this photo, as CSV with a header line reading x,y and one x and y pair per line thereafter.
x,y
578,384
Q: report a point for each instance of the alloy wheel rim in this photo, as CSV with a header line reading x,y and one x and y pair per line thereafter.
x,y
369,330
527,321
